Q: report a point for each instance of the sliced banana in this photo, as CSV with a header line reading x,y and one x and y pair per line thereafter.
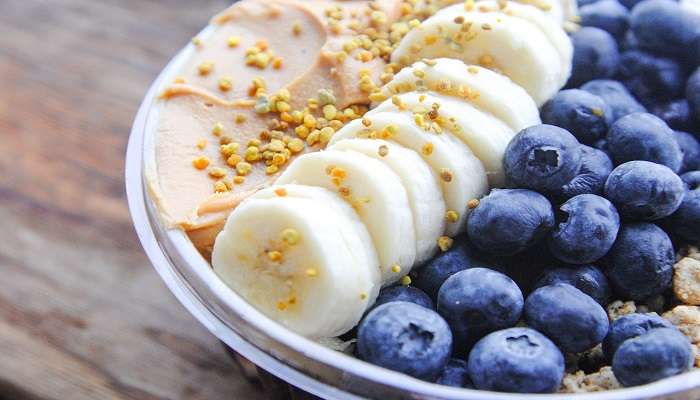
x,y
421,184
360,236
504,43
377,195
446,155
552,29
484,134
487,90
293,259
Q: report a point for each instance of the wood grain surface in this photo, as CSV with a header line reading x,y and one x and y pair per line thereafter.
x,y
82,313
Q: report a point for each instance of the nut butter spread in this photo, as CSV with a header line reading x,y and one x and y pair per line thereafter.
x,y
273,79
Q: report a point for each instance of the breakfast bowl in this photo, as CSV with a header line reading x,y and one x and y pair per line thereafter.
x,y
306,364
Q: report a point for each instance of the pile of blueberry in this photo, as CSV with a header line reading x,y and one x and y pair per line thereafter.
x,y
599,199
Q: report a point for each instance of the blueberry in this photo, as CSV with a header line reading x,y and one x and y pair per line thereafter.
x,y
630,326
542,157
640,263
478,301
459,257
643,190
579,112
587,278
595,169
629,3
642,136
663,27
608,15
455,374
690,148
675,113
585,231
657,354
629,41
692,94
686,220
405,337
602,145
508,221
596,56
517,360
571,318
408,294
650,78
616,96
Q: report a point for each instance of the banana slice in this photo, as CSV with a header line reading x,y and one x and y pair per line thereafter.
x,y
553,9
495,40
552,29
421,184
484,134
360,236
293,259
446,155
375,192
487,90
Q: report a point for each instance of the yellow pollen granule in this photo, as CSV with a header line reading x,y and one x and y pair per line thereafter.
x,y
339,173
473,70
252,153
217,172
271,169
282,305
233,41
295,145
473,203
446,174
218,129
291,236
240,118
406,280
205,68
226,83
486,60
296,28
281,192
238,179
243,168
383,150
452,216
196,41
486,27
597,112
312,272
363,296
377,97
329,111
274,256
427,149
201,162
444,243
229,149
395,268
180,80
277,63
233,160
326,134
220,187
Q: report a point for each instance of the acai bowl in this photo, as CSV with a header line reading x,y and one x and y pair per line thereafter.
x,y
324,365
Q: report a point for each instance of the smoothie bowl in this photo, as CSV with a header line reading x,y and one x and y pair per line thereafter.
x,y
399,199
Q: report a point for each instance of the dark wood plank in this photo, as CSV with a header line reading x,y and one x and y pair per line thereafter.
x,y
82,313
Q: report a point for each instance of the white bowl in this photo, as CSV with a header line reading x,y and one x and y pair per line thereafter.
x,y
294,359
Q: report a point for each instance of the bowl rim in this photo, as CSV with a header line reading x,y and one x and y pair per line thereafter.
x,y
266,343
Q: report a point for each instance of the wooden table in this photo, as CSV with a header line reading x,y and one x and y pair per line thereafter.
x,y
82,313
